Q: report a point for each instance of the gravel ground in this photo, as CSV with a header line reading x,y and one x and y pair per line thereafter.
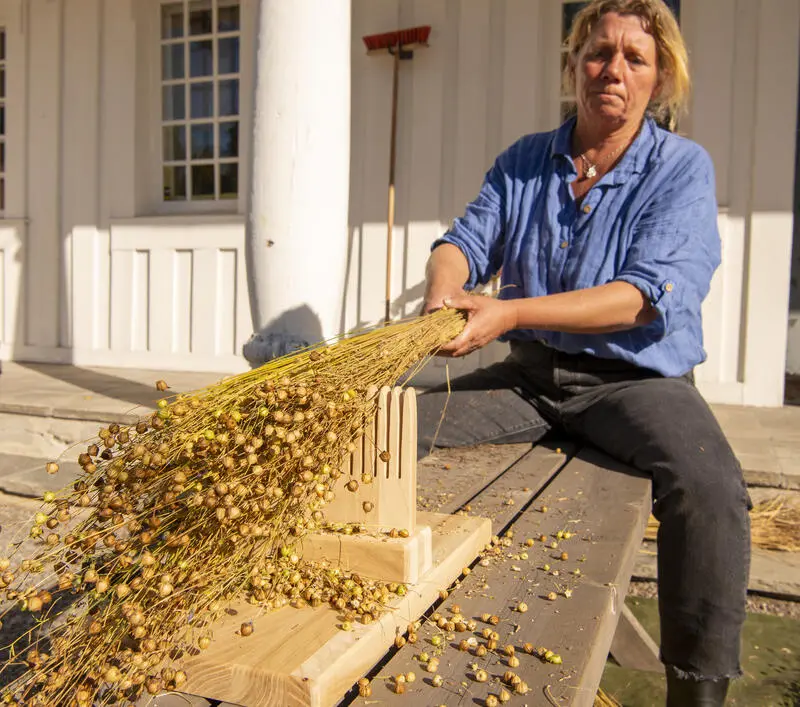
x,y
755,604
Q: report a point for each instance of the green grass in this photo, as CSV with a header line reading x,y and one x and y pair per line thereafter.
x,y
770,660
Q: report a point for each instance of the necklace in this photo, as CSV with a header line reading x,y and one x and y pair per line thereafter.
x,y
590,169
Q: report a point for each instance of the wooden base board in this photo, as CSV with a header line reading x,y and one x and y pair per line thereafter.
x,y
301,658
403,560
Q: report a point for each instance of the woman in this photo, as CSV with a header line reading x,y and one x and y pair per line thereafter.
x,y
605,231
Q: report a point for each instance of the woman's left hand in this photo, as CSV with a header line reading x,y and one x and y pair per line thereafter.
x,y
488,318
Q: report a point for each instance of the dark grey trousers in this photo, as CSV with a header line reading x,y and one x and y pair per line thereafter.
x,y
660,426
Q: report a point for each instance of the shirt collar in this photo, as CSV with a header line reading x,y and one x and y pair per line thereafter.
x,y
632,162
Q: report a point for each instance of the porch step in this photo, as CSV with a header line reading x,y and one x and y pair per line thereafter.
x,y
22,475
49,410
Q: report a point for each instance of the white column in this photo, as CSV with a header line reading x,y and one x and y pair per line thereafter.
x,y
296,235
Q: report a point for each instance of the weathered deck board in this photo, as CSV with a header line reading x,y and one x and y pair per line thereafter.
x,y
449,477
607,506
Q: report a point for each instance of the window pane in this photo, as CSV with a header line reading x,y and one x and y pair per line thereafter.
x,y
200,58
2,157
174,183
174,143
568,13
203,142
199,18
229,180
174,102
229,55
2,82
2,120
203,181
229,139
2,45
228,19
2,194
675,6
202,99
229,97
172,21
172,61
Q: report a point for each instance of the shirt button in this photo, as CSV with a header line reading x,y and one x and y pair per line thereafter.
x,y
586,208
564,244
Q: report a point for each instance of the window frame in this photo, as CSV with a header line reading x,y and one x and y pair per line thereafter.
x,y
4,120
13,19
151,177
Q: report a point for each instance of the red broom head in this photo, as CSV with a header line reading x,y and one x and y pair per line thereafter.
x,y
405,37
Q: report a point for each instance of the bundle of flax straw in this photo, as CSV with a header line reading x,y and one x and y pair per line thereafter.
x,y
192,508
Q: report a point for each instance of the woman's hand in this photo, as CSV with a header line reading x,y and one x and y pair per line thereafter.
x,y
487,318
436,298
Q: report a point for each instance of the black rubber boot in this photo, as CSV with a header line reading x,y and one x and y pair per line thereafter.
x,y
695,693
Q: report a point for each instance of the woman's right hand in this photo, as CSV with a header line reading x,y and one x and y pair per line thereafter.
x,y
434,299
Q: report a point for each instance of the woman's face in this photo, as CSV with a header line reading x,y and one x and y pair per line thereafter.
x,y
616,72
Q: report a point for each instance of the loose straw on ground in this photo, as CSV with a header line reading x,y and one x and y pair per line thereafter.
x,y
774,525
196,506
603,699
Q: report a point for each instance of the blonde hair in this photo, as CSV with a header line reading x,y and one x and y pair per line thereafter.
x,y
673,59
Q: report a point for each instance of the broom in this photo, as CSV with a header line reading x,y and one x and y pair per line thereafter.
x,y
196,506
399,44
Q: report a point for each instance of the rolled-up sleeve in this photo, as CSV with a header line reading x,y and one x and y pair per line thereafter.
x,y
480,232
675,247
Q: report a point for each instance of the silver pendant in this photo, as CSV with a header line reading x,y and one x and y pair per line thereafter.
x,y
591,171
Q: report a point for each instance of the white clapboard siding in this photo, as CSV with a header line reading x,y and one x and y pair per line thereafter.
x,y
109,276
177,297
12,235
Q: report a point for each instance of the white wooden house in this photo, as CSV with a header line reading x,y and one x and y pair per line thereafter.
x,y
127,136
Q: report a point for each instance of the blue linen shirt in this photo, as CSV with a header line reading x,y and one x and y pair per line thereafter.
x,y
651,221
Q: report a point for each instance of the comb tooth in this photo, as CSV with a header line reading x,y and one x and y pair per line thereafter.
x,y
382,433
393,438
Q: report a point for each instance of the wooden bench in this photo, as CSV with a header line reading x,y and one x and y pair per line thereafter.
x,y
605,505
527,492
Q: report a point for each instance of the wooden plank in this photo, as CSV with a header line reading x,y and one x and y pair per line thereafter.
x,y
632,647
507,494
301,657
448,478
606,506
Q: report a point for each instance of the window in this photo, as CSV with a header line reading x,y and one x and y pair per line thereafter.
x,y
569,9
2,121
200,77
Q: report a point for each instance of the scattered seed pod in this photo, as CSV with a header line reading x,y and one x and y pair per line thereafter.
x,y
491,701
246,629
522,607
552,596
52,468
481,675
161,386
437,680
